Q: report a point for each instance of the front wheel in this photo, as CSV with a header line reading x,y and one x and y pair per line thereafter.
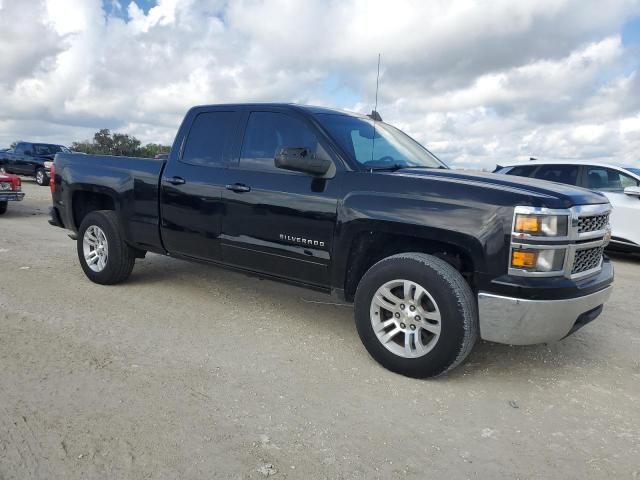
x,y
104,255
3,207
41,177
416,315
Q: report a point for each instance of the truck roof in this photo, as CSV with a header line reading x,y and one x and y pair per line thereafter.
x,y
312,109
587,163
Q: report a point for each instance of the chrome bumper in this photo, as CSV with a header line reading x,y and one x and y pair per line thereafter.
x,y
517,321
6,196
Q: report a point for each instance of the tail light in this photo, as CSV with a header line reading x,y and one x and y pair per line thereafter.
x,y
52,178
17,184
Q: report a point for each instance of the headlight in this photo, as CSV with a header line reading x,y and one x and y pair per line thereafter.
x,y
5,186
48,165
541,225
538,260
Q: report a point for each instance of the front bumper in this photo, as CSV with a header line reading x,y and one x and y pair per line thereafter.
x,y
518,321
7,196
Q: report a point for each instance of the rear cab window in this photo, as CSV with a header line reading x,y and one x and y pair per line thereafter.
x,y
210,139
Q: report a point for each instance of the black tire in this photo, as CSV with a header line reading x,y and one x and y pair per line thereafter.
x,y
3,207
41,177
454,297
121,257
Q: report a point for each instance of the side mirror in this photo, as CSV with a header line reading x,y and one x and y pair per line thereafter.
x,y
300,160
632,191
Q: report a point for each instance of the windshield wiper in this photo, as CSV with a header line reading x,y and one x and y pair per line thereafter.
x,y
396,166
388,168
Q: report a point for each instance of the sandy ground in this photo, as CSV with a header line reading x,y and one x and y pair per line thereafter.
x,y
189,371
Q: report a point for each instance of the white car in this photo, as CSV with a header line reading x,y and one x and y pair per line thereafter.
x,y
621,185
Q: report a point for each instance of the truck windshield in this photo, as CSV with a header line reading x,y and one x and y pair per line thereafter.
x,y
46,149
382,148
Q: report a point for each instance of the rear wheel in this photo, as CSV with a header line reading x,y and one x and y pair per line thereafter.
x,y
41,177
3,207
104,255
416,315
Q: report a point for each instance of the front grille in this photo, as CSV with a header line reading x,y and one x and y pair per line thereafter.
x,y
593,223
587,259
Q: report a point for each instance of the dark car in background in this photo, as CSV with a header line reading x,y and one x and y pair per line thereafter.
x,y
31,159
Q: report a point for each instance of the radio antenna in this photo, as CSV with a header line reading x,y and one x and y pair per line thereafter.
x,y
374,115
377,84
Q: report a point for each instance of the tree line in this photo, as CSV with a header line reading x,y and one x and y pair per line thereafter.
x,y
106,142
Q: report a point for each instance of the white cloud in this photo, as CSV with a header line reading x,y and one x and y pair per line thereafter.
x,y
478,82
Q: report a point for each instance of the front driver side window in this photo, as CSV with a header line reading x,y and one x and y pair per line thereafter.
x,y
266,133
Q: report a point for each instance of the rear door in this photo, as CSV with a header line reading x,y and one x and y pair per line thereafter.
x,y
276,221
192,184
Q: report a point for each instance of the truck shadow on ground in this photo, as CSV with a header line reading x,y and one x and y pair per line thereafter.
x,y
326,316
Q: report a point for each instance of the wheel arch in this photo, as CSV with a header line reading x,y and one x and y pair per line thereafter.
x,y
85,201
367,247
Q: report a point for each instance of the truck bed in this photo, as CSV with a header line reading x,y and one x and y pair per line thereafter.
x,y
132,181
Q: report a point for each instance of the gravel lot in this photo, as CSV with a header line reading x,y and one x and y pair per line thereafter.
x,y
189,371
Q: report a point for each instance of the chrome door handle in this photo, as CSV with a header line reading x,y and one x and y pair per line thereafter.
x,y
238,187
176,181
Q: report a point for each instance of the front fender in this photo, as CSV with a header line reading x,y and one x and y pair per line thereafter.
x,y
476,228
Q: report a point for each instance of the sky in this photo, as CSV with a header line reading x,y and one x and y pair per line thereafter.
x,y
479,82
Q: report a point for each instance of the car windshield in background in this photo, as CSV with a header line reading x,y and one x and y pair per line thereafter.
x,y
382,148
634,170
44,149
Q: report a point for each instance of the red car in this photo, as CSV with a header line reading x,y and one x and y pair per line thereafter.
x,y
10,189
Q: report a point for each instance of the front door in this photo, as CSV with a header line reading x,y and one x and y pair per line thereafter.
x,y
610,182
276,221
192,184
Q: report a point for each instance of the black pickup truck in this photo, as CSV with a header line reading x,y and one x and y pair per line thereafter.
x,y
432,258
30,159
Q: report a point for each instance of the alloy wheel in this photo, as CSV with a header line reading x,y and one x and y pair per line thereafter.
x,y
95,248
405,318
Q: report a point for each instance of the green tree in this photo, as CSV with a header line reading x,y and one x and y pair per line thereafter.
x,y
150,150
107,143
125,145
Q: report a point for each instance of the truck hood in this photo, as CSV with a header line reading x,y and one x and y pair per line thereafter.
x,y
558,193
